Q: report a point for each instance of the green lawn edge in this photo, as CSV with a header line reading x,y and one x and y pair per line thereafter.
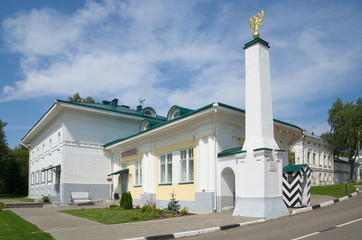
x,y
336,190
109,216
13,227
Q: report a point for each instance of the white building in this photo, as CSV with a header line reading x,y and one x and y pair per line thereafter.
x,y
191,154
318,154
66,147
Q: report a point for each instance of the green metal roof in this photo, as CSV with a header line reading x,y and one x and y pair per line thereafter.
x,y
161,124
231,151
119,172
188,113
265,43
112,108
294,168
50,168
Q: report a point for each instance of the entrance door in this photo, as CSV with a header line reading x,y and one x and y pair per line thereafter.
x,y
124,182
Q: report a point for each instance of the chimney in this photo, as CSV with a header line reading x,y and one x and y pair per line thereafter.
x,y
114,102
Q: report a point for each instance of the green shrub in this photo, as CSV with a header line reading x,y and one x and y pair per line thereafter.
x,y
113,206
1,205
184,211
151,211
45,199
126,200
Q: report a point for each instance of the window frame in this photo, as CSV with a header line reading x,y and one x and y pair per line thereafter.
x,y
187,169
165,169
138,173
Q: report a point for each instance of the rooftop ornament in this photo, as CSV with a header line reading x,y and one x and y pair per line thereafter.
x,y
255,22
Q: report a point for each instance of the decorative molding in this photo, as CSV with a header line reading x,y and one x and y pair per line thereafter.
x,y
82,144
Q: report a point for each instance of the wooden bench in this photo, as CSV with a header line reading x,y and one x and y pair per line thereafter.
x,y
80,197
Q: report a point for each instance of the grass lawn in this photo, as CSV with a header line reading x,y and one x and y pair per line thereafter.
x,y
19,198
13,227
109,216
337,190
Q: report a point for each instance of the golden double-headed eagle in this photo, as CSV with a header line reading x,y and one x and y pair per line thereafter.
x,y
255,22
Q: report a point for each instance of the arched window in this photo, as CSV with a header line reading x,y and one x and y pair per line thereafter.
x,y
149,112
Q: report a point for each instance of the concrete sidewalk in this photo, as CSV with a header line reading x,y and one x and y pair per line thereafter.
x,y
66,227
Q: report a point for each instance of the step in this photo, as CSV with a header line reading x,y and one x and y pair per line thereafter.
x,y
23,205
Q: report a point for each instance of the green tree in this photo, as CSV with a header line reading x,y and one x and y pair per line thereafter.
x,y
5,160
21,159
345,121
77,98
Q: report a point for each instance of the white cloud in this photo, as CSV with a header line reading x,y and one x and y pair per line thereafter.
x,y
184,52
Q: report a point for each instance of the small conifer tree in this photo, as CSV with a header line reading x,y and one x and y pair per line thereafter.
x,y
173,206
126,200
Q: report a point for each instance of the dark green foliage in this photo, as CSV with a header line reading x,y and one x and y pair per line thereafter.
x,y
126,200
291,158
77,98
20,170
345,121
14,167
173,206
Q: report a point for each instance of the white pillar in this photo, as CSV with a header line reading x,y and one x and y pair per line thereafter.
x,y
259,194
259,131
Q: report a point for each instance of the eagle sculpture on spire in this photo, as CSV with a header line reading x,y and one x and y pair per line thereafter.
x,y
255,22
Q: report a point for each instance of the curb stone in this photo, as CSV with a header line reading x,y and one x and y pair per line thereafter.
x,y
197,232
337,200
221,228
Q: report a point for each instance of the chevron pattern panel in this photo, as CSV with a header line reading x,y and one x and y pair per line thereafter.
x,y
308,185
292,191
294,194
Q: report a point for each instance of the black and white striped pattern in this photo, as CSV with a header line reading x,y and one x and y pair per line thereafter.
x,y
297,192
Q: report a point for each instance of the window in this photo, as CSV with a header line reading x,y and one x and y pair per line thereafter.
x,y
308,157
314,155
42,177
37,178
124,165
187,165
166,168
138,173
50,175
32,178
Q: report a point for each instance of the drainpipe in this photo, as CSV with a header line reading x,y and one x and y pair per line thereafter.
x,y
216,163
303,145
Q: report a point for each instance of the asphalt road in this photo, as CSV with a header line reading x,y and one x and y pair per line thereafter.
x,y
338,221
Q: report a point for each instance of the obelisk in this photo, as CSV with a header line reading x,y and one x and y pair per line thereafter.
x,y
260,192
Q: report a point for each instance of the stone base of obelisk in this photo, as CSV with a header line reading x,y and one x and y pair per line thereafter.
x,y
260,207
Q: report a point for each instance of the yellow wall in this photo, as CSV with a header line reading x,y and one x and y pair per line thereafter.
x,y
184,192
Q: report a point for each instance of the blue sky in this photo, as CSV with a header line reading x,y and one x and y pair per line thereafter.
x,y
188,53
